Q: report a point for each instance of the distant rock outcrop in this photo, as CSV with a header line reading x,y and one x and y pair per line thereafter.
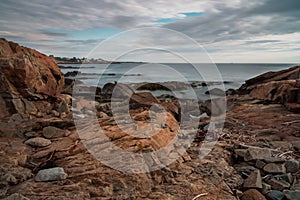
x,y
26,77
280,87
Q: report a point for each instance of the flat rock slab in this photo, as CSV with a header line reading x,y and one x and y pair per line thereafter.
x,y
279,185
291,195
38,142
254,180
275,168
52,174
275,195
254,153
292,166
53,132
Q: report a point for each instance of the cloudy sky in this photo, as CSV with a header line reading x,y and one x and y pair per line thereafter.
x,y
230,31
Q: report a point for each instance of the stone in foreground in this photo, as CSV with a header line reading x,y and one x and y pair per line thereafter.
x,y
257,154
53,174
275,195
291,195
53,132
279,185
252,194
275,168
38,142
292,166
254,180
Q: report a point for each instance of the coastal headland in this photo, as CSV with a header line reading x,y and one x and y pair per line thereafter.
x,y
256,155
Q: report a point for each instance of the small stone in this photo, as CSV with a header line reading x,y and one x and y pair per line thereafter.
x,y
10,179
282,145
260,164
16,196
30,134
239,193
253,194
278,185
254,180
296,186
275,168
52,174
266,188
254,153
240,152
38,142
286,177
292,195
275,195
246,170
292,166
274,160
102,115
53,132
54,113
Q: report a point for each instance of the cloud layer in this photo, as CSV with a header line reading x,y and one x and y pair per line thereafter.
x,y
231,31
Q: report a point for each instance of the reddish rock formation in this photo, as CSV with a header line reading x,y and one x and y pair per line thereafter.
x,y
280,87
25,76
287,74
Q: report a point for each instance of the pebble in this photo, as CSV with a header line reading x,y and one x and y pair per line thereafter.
x,y
266,188
286,177
275,195
240,152
278,185
253,194
260,164
53,132
30,134
292,195
38,142
292,166
275,168
52,174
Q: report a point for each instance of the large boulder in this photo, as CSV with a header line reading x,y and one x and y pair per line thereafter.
x,y
26,76
285,92
278,87
287,74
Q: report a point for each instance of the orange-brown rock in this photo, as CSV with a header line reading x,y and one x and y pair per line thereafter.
x,y
285,92
277,87
287,74
26,76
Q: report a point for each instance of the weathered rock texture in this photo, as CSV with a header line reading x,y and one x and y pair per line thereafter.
x,y
26,76
279,87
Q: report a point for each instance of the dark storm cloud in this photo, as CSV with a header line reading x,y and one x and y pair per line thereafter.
x,y
243,22
232,25
278,7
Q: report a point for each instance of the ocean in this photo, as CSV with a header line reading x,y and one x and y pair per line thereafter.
x,y
233,75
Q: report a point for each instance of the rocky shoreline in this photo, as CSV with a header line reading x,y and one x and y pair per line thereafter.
x,y
43,156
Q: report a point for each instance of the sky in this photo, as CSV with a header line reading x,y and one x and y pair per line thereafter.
x,y
229,31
